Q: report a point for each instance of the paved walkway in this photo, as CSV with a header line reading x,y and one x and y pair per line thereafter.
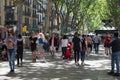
x,y
96,68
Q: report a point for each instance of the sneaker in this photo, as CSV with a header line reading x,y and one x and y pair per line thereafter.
x,y
82,63
116,74
11,70
110,73
77,64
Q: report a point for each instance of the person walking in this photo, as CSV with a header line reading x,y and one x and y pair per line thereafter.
x,y
19,50
40,44
84,48
53,44
64,42
96,41
77,47
10,43
107,43
89,43
115,57
33,40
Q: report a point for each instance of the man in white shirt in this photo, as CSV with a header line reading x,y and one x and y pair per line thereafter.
x,y
70,38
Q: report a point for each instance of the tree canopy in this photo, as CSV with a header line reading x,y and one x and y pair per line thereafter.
x,y
80,15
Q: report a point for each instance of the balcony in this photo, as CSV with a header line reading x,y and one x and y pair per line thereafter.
x,y
27,3
34,6
10,22
34,15
27,13
40,11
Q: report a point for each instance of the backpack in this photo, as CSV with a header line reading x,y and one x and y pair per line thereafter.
x,y
19,45
19,42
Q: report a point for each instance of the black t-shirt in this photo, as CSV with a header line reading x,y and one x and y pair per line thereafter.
x,y
76,42
115,44
33,40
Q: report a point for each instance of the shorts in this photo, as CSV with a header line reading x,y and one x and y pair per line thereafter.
x,y
40,48
52,48
107,45
89,45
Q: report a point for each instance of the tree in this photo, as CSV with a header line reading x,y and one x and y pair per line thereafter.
x,y
114,7
18,2
97,12
77,14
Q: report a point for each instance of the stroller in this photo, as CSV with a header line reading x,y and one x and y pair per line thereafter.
x,y
68,54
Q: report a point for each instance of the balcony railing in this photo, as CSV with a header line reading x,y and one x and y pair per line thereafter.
x,y
27,13
35,16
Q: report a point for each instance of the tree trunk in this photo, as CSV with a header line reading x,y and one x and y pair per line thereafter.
x,y
47,17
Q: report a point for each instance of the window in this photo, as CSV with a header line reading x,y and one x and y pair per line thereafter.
x,y
10,3
5,2
27,21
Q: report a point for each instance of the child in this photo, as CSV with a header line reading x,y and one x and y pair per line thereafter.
x,y
68,54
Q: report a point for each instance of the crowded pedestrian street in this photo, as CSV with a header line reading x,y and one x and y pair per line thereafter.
x,y
95,68
59,40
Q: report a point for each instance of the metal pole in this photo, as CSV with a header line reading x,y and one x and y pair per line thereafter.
x,y
19,10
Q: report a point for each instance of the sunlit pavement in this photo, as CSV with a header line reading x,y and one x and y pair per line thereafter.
x,y
95,68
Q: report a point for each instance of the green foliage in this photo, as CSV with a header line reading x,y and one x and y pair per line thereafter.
x,y
87,13
97,11
114,7
82,13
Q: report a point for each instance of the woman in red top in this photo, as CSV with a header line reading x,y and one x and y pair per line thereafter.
x,y
107,43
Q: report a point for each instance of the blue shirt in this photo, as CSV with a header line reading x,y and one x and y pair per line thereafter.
x,y
40,41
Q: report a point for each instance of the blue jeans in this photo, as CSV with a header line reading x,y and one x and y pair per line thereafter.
x,y
115,60
11,58
96,46
76,55
83,54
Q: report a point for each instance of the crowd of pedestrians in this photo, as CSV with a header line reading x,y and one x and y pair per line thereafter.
x,y
75,47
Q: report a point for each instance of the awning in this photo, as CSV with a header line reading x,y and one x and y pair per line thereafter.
x,y
105,31
33,29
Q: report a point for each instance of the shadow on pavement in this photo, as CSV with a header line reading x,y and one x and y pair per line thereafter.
x,y
57,69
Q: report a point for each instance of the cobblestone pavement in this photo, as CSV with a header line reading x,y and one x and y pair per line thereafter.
x,y
96,67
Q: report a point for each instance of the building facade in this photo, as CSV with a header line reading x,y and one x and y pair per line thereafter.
x,y
2,18
41,15
17,15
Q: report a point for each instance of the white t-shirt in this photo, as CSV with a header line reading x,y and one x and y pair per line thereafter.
x,y
52,43
64,42
96,39
70,38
